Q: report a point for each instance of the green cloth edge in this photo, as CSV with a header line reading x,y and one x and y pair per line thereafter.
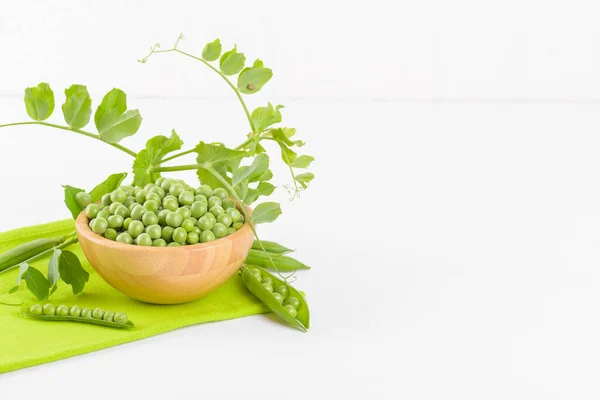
x,y
9,239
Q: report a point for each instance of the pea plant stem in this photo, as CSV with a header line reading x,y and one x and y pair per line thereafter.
x,y
224,182
183,153
176,168
67,128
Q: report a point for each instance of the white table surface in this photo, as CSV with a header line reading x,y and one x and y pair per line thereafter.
x,y
453,226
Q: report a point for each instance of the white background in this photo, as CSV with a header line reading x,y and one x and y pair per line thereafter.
x,y
453,227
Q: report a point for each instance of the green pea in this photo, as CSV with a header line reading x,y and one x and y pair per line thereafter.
x,y
151,205
162,216
109,316
268,287
171,204
149,218
143,240
166,184
201,198
207,236
135,228
225,219
179,235
237,225
192,238
205,224
256,272
184,212
293,301
133,205
176,189
115,221
186,198
158,191
198,209
99,225
214,201
83,199
153,197
110,234
291,310
113,207
124,237
167,233
173,244
75,311
98,313
126,222
36,309
121,318
148,186
159,243
216,210
234,214
205,191
230,231
92,210
129,201
197,230
282,290
140,196
122,211
219,230
118,196
174,219
220,193
267,280
188,225
106,200
128,189
87,313
138,212
211,217
103,214
62,310
49,309
228,203
154,231
278,297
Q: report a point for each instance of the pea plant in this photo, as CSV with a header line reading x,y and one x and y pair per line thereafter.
x,y
242,170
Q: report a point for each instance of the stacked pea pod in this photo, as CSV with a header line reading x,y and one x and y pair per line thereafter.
x,y
166,213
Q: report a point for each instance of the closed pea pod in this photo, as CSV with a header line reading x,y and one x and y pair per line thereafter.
x,y
271,247
300,319
24,252
76,314
282,262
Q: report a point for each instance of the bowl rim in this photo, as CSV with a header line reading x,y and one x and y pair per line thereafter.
x,y
82,228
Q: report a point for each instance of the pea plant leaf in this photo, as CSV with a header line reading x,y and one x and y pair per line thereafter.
x,y
39,101
264,117
71,271
53,273
220,158
303,162
263,189
266,212
70,202
112,120
22,268
232,62
78,106
212,50
251,80
304,179
156,149
258,166
109,184
36,283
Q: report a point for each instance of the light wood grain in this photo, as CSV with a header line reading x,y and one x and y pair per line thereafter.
x,y
165,275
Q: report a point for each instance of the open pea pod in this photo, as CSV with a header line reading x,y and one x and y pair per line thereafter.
x,y
70,318
254,283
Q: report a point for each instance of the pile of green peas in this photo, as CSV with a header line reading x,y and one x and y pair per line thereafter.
x,y
165,213
49,310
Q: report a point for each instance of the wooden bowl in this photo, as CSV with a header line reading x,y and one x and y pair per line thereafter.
x,y
165,275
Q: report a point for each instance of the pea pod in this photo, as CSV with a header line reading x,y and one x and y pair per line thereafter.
x,y
24,252
75,314
283,263
271,247
263,288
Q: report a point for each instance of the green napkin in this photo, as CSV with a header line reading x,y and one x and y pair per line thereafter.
x,y
25,342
